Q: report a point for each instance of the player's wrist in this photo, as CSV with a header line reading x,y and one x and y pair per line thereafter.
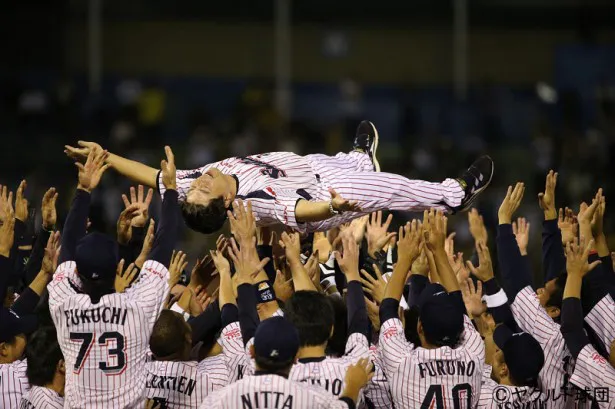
x,y
84,188
550,214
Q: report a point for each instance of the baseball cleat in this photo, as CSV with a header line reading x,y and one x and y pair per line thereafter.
x,y
474,180
366,141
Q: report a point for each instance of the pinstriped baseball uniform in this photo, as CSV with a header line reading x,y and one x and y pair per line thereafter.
x,y
328,372
237,357
179,384
40,397
378,390
594,373
215,366
274,182
495,396
270,392
555,374
13,383
105,344
601,320
432,378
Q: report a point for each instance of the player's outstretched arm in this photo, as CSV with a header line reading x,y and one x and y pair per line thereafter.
x,y
435,227
292,247
90,174
553,260
136,171
357,377
307,211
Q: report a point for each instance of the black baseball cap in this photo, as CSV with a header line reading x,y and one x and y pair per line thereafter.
x,y
441,315
12,324
522,353
97,256
276,340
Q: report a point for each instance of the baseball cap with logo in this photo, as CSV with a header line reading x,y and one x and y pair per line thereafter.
x,y
523,355
276,340
96,257
12,324
441,315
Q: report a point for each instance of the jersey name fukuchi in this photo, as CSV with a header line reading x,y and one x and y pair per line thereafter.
x,y
432,378
13,383
105,344
328,372
41,398
271,392
179,384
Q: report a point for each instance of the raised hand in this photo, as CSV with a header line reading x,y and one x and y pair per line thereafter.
x,y
312,268
356,228
91,172
586,216
7,230
409,243
194,300
377,233
598,220
357,376
342,205
123,278
472,297
374,286
568,225
246,262
484,271
223,267
50,259
222,244
141,201
435,225
81,152
321,244
421,265
148,242
6,204
21,203
348,260
177,266
243,223
373,313
511,203
124,223
50,215
546,200
167,167
521,230
577,253
283,288
291,243
477,226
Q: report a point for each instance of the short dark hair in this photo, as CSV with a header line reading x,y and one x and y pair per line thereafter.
x,y
204,219
337,342
411,319
273,366
43,354
313,316
168,335
557,296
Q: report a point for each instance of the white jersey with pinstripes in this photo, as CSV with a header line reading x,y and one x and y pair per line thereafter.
x,y
594,373
105,344
601,319
236,355
329,372
496,396
271,392
215,366
559,364
40,397
179,384
274,182
13,383
378,390
432,378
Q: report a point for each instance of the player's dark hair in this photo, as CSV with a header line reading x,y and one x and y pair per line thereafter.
x,y
557,296
411,319
265,364
168,339
96,289
313,316
337,342
43,354
204,219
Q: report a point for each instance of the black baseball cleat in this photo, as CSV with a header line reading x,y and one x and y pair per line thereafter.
x,y
474,180
366,141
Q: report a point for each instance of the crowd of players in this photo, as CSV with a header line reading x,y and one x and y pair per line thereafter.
x,y
358,316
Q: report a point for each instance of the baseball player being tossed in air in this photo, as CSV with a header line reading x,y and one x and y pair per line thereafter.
x,y
307,193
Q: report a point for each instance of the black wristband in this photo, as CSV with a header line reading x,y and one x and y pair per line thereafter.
x,y
265,292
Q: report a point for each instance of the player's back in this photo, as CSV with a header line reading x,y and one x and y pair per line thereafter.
x,y
179,384
104,347
41,398
270,392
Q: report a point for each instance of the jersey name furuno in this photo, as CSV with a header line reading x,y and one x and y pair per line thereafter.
x,y
432,378
13,383
41,398
270,392
105,345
